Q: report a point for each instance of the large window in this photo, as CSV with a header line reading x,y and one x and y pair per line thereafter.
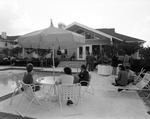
x,y
80,31
89,35
97,37
80,52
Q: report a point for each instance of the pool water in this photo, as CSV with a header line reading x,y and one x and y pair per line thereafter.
x,y
7,84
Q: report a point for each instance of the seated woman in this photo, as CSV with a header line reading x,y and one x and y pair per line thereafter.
x,y
28,77
67,78
131,74
122,79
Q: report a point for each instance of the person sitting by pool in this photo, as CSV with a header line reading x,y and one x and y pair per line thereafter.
x,y
73,56
131,74
83,75
67,78
28,77
122,79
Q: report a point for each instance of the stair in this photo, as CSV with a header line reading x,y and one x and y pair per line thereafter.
x,y
72,64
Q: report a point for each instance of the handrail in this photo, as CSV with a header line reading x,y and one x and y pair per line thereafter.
x,y
59,72
74,65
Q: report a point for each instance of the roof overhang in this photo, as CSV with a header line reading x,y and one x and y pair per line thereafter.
x,y
74,26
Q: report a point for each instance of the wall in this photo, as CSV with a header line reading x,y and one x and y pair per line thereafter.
x,y
97,42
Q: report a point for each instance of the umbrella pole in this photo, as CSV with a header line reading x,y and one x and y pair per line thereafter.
x,y
53,64
54,71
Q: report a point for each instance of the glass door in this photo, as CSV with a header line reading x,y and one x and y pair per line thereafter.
x,y
82,51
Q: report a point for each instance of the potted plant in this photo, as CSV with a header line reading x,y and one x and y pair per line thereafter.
x,y
104,61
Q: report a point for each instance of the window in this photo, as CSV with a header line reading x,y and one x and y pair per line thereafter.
x,y
80,31
97,37
89,36
80,52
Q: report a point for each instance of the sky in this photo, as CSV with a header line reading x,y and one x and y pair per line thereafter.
x,y
128,17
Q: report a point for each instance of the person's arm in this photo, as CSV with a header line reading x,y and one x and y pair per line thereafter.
x,y
31,81
76,78
58,81
132,75
85,77
119,76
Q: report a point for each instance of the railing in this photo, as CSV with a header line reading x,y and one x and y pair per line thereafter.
x,y
74,65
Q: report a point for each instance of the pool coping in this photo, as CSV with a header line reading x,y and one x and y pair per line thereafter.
x,y
35,69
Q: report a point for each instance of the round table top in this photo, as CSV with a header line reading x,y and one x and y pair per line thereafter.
x,y
48,80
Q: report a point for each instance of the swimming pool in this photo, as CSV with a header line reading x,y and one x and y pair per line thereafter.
x,y
7,84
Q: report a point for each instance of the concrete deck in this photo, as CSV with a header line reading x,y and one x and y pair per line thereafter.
x,y
102,105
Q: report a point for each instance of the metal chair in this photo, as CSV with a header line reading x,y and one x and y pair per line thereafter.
x,y
31,96
70,92
87,86
17,89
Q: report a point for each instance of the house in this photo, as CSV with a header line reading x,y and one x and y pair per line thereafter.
x,y
7,41
96,39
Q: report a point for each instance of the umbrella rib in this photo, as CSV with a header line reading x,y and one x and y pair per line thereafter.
x,y
58,42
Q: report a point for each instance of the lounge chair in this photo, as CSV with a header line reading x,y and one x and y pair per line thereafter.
x,y
140,86
138,78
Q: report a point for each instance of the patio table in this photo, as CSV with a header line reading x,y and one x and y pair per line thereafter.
x,y
49,80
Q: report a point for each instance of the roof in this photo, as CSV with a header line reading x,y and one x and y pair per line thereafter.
x,y
74,24
120,36
9,38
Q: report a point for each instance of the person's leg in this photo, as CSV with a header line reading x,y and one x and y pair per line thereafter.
x,y
73,58
70,58
130,81
112,70
86,65
89,66
115,70
92,66
116,83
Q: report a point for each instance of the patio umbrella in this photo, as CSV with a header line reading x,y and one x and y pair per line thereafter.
x,y
51,38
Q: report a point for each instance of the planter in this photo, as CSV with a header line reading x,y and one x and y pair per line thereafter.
x,y
104,69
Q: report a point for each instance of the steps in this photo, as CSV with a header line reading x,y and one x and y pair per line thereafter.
x,y
72,64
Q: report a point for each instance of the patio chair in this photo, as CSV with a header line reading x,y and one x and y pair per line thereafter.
x,y
138,78
86,87
17,89
70,92
33,97
140,86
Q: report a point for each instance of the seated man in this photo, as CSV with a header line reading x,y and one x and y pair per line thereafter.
x,y
83,75
131,74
